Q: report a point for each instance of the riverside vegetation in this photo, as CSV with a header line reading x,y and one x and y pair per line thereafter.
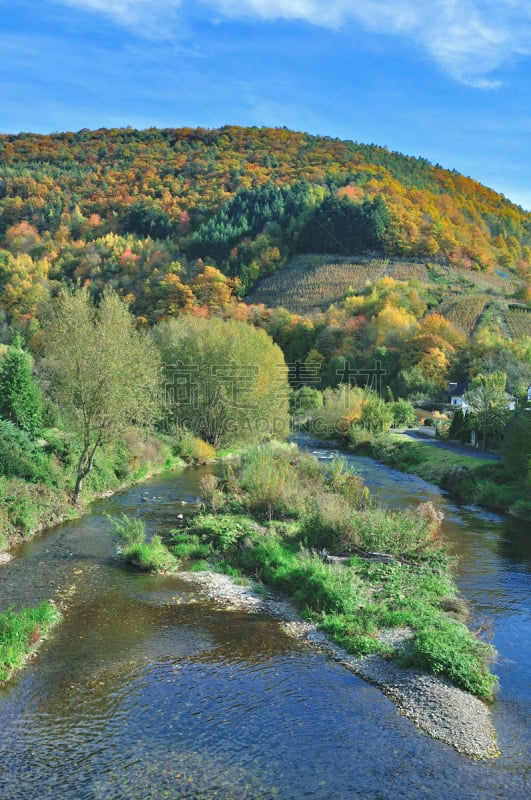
x,y
276,514
361,421
20,634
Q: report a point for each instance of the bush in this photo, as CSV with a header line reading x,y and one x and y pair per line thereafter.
x,y
521,509
221,532
194,450
20,396
270,481
342,407
328,524
211,493
151,556
313,584
20,457
144,450
399,533
130,531
347,483
27,507
359,437
189,545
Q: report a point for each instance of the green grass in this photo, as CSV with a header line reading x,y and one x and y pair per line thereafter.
x,y
20,634
152,556
445,647
428,461
353,602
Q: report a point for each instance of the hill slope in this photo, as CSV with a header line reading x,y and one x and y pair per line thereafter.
x,y
136,209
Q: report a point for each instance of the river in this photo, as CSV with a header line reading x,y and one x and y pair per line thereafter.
x,y
150,691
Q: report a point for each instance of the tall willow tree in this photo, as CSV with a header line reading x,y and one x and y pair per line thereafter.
x,y
225,381
104,374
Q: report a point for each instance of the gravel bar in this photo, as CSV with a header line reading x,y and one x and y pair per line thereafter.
x,y
438,708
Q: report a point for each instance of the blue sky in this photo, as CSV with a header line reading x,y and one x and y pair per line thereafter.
x,y
448,80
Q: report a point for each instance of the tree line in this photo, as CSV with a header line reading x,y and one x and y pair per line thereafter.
x,y
99,375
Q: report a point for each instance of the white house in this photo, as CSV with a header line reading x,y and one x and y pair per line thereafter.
x,y
457,400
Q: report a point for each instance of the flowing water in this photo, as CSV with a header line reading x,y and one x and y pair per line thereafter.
x,y
149,691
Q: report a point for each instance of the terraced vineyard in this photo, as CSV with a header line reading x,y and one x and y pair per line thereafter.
x,y
497,281
518,321
465,311
311,283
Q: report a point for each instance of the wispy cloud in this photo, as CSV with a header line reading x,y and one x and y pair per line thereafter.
x,y
149,18
468,39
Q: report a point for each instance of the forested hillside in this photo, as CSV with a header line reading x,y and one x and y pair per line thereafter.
x,y
361,245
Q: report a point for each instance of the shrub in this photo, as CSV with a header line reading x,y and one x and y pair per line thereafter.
x,y
328,524
359,437
26,507
189,545
347,483
151,556
342,407
432,516
20,457
20,396
219,531
400,533
194,450
270,481
130,531
521,509
211,492
146,450
315,585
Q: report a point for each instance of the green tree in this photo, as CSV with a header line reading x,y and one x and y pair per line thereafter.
x,y
403,413
458,427
487,400
226,381
104,374
20,395
147,219
305,399
516,448
21,456
376,415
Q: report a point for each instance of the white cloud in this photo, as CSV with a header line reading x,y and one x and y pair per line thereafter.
x,y
147,17
468,39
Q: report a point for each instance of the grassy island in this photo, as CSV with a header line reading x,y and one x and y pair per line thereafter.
x,y
354,569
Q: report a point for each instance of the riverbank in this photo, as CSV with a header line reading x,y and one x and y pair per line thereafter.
x,y
469,478
436,707
28,508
